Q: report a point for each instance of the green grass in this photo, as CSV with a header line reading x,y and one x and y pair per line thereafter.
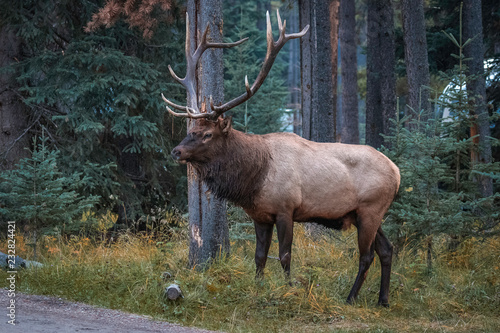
x,y
462,294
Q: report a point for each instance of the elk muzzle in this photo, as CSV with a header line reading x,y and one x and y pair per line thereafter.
x,y
179,155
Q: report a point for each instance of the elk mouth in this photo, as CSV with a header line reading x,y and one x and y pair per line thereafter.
x,y
181,161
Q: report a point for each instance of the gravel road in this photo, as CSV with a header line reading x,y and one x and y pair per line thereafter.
x,y
43,314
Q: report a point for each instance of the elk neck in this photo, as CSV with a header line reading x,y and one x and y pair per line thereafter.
x,y
238,169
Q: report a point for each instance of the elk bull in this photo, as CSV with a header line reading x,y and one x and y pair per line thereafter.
x,y
280,178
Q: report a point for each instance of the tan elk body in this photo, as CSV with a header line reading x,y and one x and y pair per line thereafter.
x,y
280,178
322,180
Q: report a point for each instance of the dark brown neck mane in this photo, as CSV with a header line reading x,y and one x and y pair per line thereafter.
x,y
238,169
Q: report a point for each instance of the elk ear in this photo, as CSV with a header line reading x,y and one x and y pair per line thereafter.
x,y
225,124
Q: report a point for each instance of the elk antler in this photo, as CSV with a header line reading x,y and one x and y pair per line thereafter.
x,y
192,59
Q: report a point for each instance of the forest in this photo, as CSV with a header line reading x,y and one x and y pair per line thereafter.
x,y
88,180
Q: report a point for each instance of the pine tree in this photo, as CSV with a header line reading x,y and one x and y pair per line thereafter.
x,y
39,195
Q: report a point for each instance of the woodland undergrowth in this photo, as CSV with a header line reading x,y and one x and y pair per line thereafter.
x,y
460,294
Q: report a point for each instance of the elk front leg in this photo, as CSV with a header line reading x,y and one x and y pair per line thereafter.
x,y
284,225
264,234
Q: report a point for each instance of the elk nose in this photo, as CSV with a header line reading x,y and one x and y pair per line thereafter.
x,y
176,153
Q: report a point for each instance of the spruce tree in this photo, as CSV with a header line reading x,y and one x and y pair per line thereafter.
x,y
40,196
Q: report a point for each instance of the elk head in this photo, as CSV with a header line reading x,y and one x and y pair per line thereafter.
x,y
203,141
214,129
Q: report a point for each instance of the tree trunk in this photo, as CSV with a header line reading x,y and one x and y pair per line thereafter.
x,y
306,77
476,89
318,108
294,71
349,70
416,60
209,235
381,79
13,114
334,44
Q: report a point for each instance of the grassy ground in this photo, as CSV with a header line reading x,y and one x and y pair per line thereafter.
x,y
462,294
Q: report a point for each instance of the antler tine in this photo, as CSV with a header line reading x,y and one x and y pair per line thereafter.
x,y
188,114
205,44
297,34
247,86
280,25
177,106
178,79
269,34
273,49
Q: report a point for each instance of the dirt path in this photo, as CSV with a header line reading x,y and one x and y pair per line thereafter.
x,y
43,314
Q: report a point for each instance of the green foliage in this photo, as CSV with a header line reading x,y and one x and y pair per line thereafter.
x,y
427,203
439,192
98,97
40,195
262,113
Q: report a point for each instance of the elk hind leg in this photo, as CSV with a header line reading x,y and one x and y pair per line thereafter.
x,y
366,245
384,250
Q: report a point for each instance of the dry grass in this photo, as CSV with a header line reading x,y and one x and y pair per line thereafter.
x,y
461,295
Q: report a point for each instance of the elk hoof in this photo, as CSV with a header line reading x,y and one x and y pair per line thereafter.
x,y
384,304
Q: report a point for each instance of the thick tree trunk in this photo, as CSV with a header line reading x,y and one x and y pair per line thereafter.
x,y
417,64
381,79
318,108
476,89
349,70
209,236
14,136
318,52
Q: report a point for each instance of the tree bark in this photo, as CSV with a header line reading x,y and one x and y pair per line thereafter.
x,y
209,235
381,79
14,136
334,44
349,72
318,101
306,67
476,88
294,71
416,59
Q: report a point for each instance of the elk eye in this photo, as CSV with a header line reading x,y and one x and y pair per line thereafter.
x,y
207,136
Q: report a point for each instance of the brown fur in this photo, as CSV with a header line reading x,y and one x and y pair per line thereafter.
x,y
237,170
280,178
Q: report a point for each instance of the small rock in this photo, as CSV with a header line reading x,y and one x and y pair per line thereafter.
x,y
18,262
32,263
3,260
